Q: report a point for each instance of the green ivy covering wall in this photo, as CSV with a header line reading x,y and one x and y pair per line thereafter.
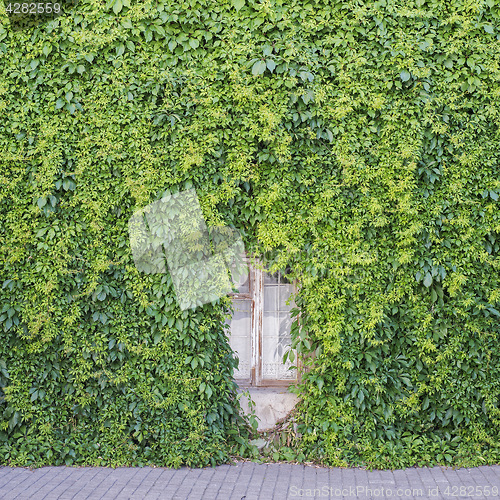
x,y
355,141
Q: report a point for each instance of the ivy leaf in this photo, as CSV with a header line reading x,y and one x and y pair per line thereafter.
x,y
208,391
238,4
258,68
117,6
270,65
405,76
493,311
361,396
428,280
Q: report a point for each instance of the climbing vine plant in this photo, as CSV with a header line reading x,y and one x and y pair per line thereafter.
x,y
356,142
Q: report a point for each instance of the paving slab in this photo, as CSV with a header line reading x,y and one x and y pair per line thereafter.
x,y
247,481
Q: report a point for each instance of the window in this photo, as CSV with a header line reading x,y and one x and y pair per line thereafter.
x,y
260,329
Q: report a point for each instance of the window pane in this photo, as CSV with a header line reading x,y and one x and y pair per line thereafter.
x,y
285,292
276,328
273,349
270,323
285,324
282,277
240,337
240,276
271,297
242,283
271,278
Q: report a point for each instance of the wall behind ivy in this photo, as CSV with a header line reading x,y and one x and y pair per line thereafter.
x,y
355,141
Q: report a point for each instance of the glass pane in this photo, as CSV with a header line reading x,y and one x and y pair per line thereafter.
x,y
273,349
285,292
282,277
240,337
270,297
240,276
242,283
285,324
276,327
271,278
270,323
